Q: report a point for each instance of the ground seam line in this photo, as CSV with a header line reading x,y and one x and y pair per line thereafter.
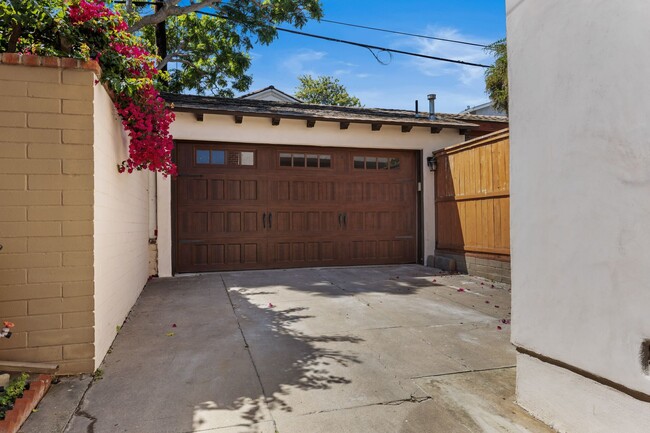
x,y
505,367
248,349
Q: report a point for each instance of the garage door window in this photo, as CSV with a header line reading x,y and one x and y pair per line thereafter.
x,y
305,160
375,163
221,157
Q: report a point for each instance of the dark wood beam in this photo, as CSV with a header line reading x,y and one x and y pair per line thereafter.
x,y
376,126
199,117
238,119
275,121
407,128
462,131
436,129
344,125
311,123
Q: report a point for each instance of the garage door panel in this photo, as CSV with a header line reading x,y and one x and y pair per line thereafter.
x,y
313,252
293,212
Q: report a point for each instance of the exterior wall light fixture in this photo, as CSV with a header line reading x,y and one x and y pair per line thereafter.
x,y
431,162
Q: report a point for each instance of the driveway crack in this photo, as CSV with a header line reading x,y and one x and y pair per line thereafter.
x,y
243,336
82,413
410,399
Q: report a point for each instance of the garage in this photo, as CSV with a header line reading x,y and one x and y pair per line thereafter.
x,y
251,206
270,185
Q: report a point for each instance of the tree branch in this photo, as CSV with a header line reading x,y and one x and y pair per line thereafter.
x,y
171,9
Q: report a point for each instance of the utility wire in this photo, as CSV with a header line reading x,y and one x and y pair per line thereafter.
x,y
356,44
403,33
388,50
367,46
359,26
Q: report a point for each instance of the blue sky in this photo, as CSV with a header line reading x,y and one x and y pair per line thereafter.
x,y
405,78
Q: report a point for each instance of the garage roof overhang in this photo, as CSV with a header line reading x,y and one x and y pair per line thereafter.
x,y
376,117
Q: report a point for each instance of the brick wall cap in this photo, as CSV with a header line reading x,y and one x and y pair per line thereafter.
x,y
50,62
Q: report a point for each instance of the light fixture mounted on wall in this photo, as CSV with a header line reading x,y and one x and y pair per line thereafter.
x,y
431,162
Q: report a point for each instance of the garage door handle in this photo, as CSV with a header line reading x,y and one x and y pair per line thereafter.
x,y
264,220
270,219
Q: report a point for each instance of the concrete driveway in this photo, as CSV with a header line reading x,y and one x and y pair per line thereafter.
x,y
365,349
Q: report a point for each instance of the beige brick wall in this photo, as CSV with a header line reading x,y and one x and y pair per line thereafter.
x,y
46,215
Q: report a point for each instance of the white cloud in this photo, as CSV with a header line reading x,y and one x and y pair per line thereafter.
x,y
466,75
302,61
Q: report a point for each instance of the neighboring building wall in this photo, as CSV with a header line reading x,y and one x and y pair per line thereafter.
x,y
580,212
121,247
46,214
260,130
473,207
484,110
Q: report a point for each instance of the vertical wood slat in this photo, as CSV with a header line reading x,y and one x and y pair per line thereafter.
x,y
472,196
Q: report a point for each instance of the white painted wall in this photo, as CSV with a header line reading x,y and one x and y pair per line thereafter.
x,y
121,223
260,130
580,193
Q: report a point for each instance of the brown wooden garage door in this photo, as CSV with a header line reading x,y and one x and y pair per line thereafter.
x,y
256,207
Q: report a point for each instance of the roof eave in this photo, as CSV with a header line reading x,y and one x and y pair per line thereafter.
x,y
425,123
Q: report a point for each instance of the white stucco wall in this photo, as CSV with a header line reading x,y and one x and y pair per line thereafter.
x,y
580,200
260,130
121,226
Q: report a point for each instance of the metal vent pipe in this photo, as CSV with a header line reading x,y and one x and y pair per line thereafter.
x,y
432,105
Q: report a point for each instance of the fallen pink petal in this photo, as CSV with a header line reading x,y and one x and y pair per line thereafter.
x,y
460,290
271,305
499,328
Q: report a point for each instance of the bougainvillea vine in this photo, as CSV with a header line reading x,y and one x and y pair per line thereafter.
x,y
129,71
89,29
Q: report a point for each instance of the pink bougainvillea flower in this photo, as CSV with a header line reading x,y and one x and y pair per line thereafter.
x,y
145,116
271,305
173,325
460,289
8,324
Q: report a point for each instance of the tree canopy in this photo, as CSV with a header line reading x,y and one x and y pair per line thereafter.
x,y
324,90
208,40
209,52
496,77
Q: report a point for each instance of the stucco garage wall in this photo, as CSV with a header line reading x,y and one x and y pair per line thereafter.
x,y
259,130
121,232
580,210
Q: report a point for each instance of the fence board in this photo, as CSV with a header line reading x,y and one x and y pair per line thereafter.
x,y
473,196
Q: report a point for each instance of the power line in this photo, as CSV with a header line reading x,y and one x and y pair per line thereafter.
x,y
356,44
359,26
367,46
388,50
455,41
